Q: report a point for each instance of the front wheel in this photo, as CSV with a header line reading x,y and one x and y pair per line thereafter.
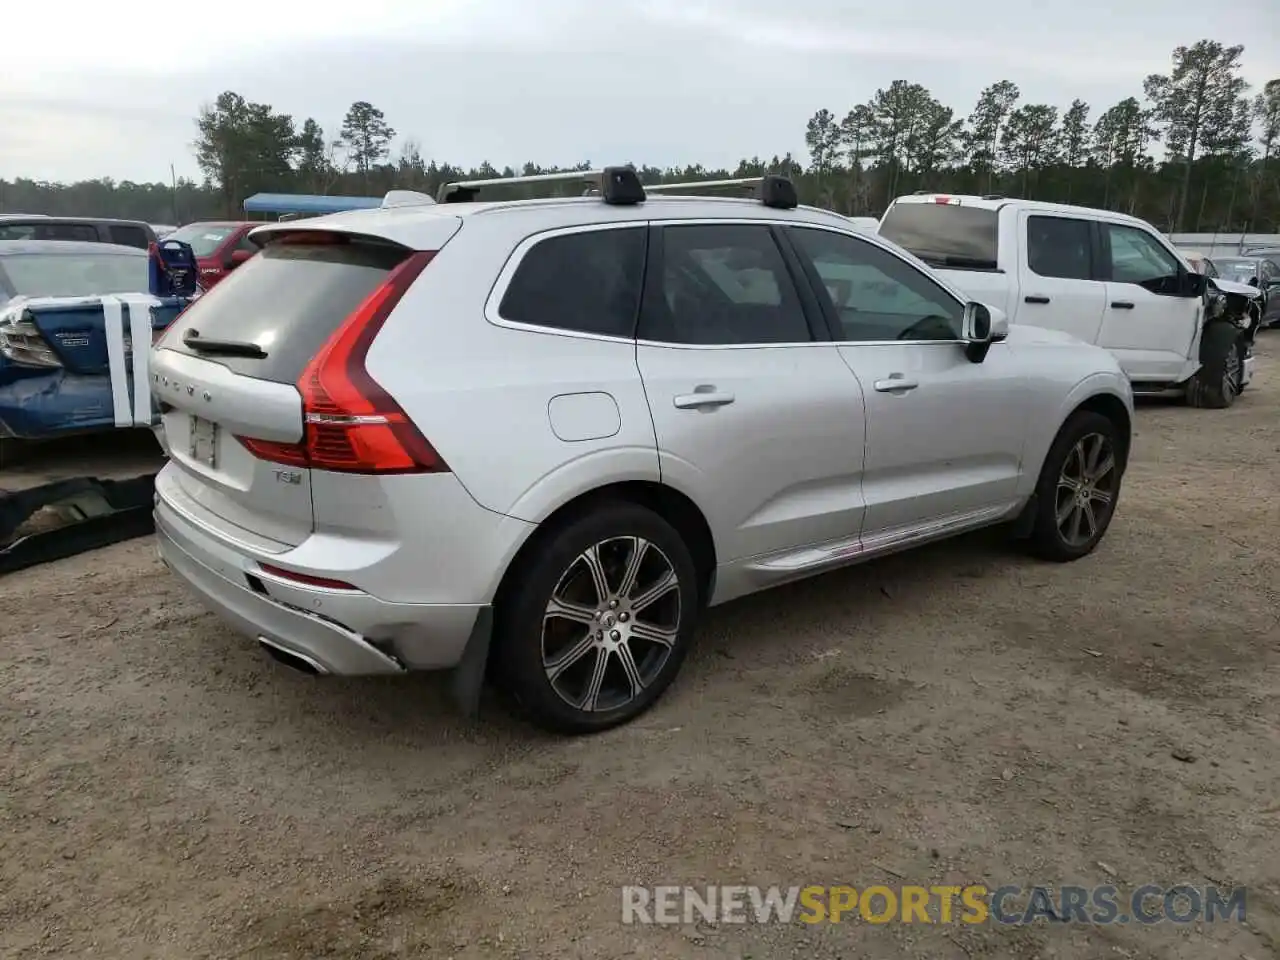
x,y
1078,488
1218,381
598,621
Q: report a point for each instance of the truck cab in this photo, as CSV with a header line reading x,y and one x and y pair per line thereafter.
x,y
1103,277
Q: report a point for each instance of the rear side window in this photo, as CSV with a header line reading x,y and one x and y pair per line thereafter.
x,y
585,282
944,234
288,302
1060,247
129,236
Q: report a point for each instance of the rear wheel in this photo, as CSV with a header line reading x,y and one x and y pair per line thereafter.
x,y
598,620
1078,488
1217,383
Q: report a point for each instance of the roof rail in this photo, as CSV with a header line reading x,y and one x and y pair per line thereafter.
x,y
617,185
621,186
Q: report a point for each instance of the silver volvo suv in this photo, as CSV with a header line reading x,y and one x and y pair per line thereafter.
x,y
530,441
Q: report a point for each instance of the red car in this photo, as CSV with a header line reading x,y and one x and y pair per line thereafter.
x,y
219,245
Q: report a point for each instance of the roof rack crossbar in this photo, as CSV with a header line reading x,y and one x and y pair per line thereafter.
x,y
705,184
617,184
621,186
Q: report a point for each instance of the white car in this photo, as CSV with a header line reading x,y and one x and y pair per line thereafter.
x,y
1103,277
535,439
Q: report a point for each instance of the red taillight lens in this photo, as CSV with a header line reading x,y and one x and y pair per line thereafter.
x,y
352,424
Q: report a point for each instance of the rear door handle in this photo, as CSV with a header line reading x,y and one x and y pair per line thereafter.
x,y
1035,299
894,384
1121,305
701,400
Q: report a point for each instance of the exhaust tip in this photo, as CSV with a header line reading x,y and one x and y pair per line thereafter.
x,y
289,658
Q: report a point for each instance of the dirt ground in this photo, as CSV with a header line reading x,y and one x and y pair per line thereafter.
x,y
959,714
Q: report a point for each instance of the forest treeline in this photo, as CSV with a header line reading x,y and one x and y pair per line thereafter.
x,y
1196,151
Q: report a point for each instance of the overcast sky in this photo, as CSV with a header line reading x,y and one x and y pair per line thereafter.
x,y
561,81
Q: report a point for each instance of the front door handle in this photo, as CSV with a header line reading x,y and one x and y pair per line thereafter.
x,y
895,383
702,400
1031,299
1121,305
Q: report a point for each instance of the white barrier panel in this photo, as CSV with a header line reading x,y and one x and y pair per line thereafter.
x,y
130,409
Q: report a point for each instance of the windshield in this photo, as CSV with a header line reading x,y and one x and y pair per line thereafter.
x,y
1241,271
944,234
203,238
73,275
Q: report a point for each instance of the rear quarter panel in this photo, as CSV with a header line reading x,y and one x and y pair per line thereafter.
x,y
480,392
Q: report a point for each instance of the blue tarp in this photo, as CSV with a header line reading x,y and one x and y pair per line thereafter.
x,y
304,203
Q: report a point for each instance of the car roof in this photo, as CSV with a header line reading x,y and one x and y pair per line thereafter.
x,y
403,224
66,248
57,218
212,223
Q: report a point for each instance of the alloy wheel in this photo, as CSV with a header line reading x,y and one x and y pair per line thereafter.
x,y
611,623
1086,489
1232,374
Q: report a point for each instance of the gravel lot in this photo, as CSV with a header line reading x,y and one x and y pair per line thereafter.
x,y
959,714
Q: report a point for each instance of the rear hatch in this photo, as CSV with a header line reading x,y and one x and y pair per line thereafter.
x,y
232,372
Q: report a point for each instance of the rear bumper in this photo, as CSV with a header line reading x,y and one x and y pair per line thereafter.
x,y
340,632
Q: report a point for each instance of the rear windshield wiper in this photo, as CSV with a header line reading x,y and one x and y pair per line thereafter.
x,y
230,348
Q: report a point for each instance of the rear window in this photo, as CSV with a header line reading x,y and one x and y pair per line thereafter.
x,y
287,301
74,275
204,239
944,234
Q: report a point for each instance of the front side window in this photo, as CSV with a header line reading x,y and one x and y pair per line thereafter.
x,y
586,282
1138,257
723,284
876,295
1060,247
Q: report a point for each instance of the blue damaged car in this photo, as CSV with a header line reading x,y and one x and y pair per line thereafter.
x,y
55,373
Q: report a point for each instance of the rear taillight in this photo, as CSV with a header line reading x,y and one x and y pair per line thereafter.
x,y
352,425
22,342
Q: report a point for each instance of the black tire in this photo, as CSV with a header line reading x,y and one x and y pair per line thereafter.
x,y
1049,540
1215,387
555,564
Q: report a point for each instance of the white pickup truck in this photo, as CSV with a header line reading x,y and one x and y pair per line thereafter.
x,y
1103,277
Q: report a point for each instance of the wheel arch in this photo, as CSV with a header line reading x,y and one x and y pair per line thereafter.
x,y
1114,409
674,507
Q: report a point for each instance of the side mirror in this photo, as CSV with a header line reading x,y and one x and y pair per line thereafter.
x,y
1253,281
978,330
1193,284
238,257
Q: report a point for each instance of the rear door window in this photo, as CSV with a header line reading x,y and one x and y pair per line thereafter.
x,y
288,302
128,236
588,281
723,284
945,234
1060,247
68,231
